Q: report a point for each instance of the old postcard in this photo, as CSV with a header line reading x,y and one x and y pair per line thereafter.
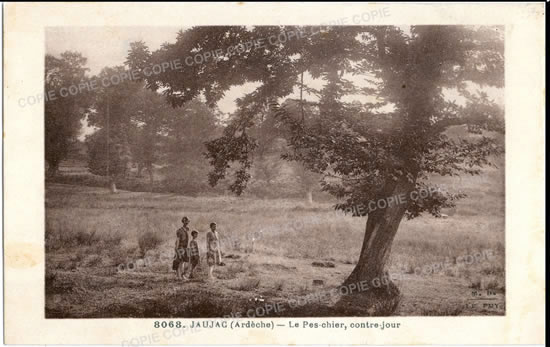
x,y
274,173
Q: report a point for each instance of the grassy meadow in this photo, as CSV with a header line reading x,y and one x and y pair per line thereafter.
x,y
109,255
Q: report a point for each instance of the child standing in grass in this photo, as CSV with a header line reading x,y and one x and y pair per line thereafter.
x,y
194,252
213,250
182,238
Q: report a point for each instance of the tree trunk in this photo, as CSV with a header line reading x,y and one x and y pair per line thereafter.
x,y
381,228
52,170
309,197
151,178
112,186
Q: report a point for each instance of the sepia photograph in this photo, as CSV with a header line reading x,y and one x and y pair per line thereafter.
x,y
274,171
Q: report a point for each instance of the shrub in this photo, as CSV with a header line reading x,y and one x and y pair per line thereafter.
x,y
247,284
111,239
85,238
63,237
148,241
278,285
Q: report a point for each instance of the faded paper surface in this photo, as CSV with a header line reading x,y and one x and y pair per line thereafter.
x,y
24,173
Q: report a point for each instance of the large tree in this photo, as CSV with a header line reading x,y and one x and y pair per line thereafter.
x,y
109,155
63,110
110,147
184,166
181,132
150,119
390,145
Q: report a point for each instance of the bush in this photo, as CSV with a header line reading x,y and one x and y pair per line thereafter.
x,y
111,240
85,238
64,238
148,241
247,284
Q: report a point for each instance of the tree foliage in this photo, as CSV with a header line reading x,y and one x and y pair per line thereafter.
x,y
360,150
109,147
108,157
63,111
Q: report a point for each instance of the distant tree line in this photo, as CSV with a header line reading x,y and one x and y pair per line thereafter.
x,y
141,142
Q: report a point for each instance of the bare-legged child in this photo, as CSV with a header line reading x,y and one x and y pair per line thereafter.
x,y
182,239
213,250
194,253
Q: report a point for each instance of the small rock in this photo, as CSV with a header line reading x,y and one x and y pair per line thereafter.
x,y
323,264
318,282
232,256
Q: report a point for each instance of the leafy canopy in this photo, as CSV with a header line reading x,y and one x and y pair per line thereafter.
x,y
399,133
64,111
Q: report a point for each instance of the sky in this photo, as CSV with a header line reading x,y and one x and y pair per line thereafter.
x,y
108,46
105,46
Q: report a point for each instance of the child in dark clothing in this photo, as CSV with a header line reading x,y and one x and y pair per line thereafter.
x,y
194,252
